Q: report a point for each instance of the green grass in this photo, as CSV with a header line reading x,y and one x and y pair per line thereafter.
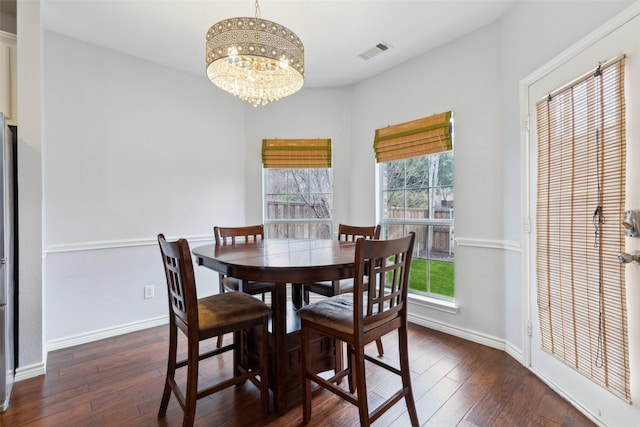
x,y
441,276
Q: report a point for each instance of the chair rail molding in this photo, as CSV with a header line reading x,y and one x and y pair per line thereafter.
x,y
507,245
117,244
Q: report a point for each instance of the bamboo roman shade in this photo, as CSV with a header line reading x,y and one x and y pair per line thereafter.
x,y
296,153
580,207
420,137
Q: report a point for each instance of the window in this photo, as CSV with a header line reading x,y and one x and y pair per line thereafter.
x,y
298,187
416,170
580,205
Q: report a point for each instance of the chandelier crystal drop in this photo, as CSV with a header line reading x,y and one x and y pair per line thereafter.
x,y
258,61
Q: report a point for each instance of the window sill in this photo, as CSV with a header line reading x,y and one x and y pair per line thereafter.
x,y
450,307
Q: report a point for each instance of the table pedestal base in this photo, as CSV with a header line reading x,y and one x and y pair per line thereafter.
x,y
290,378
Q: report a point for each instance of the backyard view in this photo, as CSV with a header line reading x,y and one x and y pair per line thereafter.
x,y
441,276
298,203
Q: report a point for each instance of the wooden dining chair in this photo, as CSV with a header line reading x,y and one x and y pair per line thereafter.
x,y
375,308
201,319
239,236
329,288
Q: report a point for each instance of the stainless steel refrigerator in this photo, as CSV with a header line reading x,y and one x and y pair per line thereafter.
x,y
8,244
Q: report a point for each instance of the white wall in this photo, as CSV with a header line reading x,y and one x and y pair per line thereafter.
x,y
132,149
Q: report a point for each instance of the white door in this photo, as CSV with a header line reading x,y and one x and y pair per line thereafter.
x,y
623,36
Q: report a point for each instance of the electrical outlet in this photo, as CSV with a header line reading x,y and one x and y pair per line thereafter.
x,y
149,292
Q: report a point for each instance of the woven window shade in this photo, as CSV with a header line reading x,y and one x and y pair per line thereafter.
x,y
420,137
296,153
581,171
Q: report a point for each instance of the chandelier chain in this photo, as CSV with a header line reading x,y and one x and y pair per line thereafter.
x,y
257,18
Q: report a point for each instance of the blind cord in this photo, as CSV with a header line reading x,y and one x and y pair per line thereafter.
x,y
598,220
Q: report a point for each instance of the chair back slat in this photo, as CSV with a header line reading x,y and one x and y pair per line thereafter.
x,y
387,264
350,233
233,235
181,289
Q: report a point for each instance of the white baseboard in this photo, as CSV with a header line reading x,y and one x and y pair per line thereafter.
x,y
37,369
31,371
105,333
514,352
466,334
576,404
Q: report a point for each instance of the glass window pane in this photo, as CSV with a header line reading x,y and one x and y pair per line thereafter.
x,y
320,230
417,204
417,172
418,195
320,181
393,175
297,195
419,276
394,206
393,231
276,180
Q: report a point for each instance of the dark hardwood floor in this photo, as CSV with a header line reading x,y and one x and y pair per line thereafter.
x,y
118,382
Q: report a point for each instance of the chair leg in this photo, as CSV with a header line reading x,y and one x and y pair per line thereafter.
x,y
361,386
403,343
171,370
264,365
339,356
306,367
380,348
350,363
191,394
221,290
238,349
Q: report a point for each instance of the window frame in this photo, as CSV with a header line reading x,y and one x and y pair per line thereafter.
x,y
426,222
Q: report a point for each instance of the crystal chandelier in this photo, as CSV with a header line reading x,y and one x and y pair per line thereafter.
x,y
258,61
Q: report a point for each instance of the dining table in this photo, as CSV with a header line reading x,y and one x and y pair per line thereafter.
x,y
283,262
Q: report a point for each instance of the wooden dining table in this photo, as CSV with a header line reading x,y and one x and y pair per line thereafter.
x,y
284,261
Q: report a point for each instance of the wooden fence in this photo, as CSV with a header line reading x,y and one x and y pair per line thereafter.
x,y
442,246
441,235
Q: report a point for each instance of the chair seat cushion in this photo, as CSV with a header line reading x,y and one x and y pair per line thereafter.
x,y
229,308
252,288
335,312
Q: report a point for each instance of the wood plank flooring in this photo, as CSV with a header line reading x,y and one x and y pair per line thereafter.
x,y
118,382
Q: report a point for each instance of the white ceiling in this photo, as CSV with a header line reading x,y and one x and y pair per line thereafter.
x,y
334,32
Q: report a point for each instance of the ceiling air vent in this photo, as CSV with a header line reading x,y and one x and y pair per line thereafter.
x,y
376,50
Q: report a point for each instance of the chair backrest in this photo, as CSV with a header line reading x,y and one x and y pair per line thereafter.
x,y
350,233
233,235
181,285
383,295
